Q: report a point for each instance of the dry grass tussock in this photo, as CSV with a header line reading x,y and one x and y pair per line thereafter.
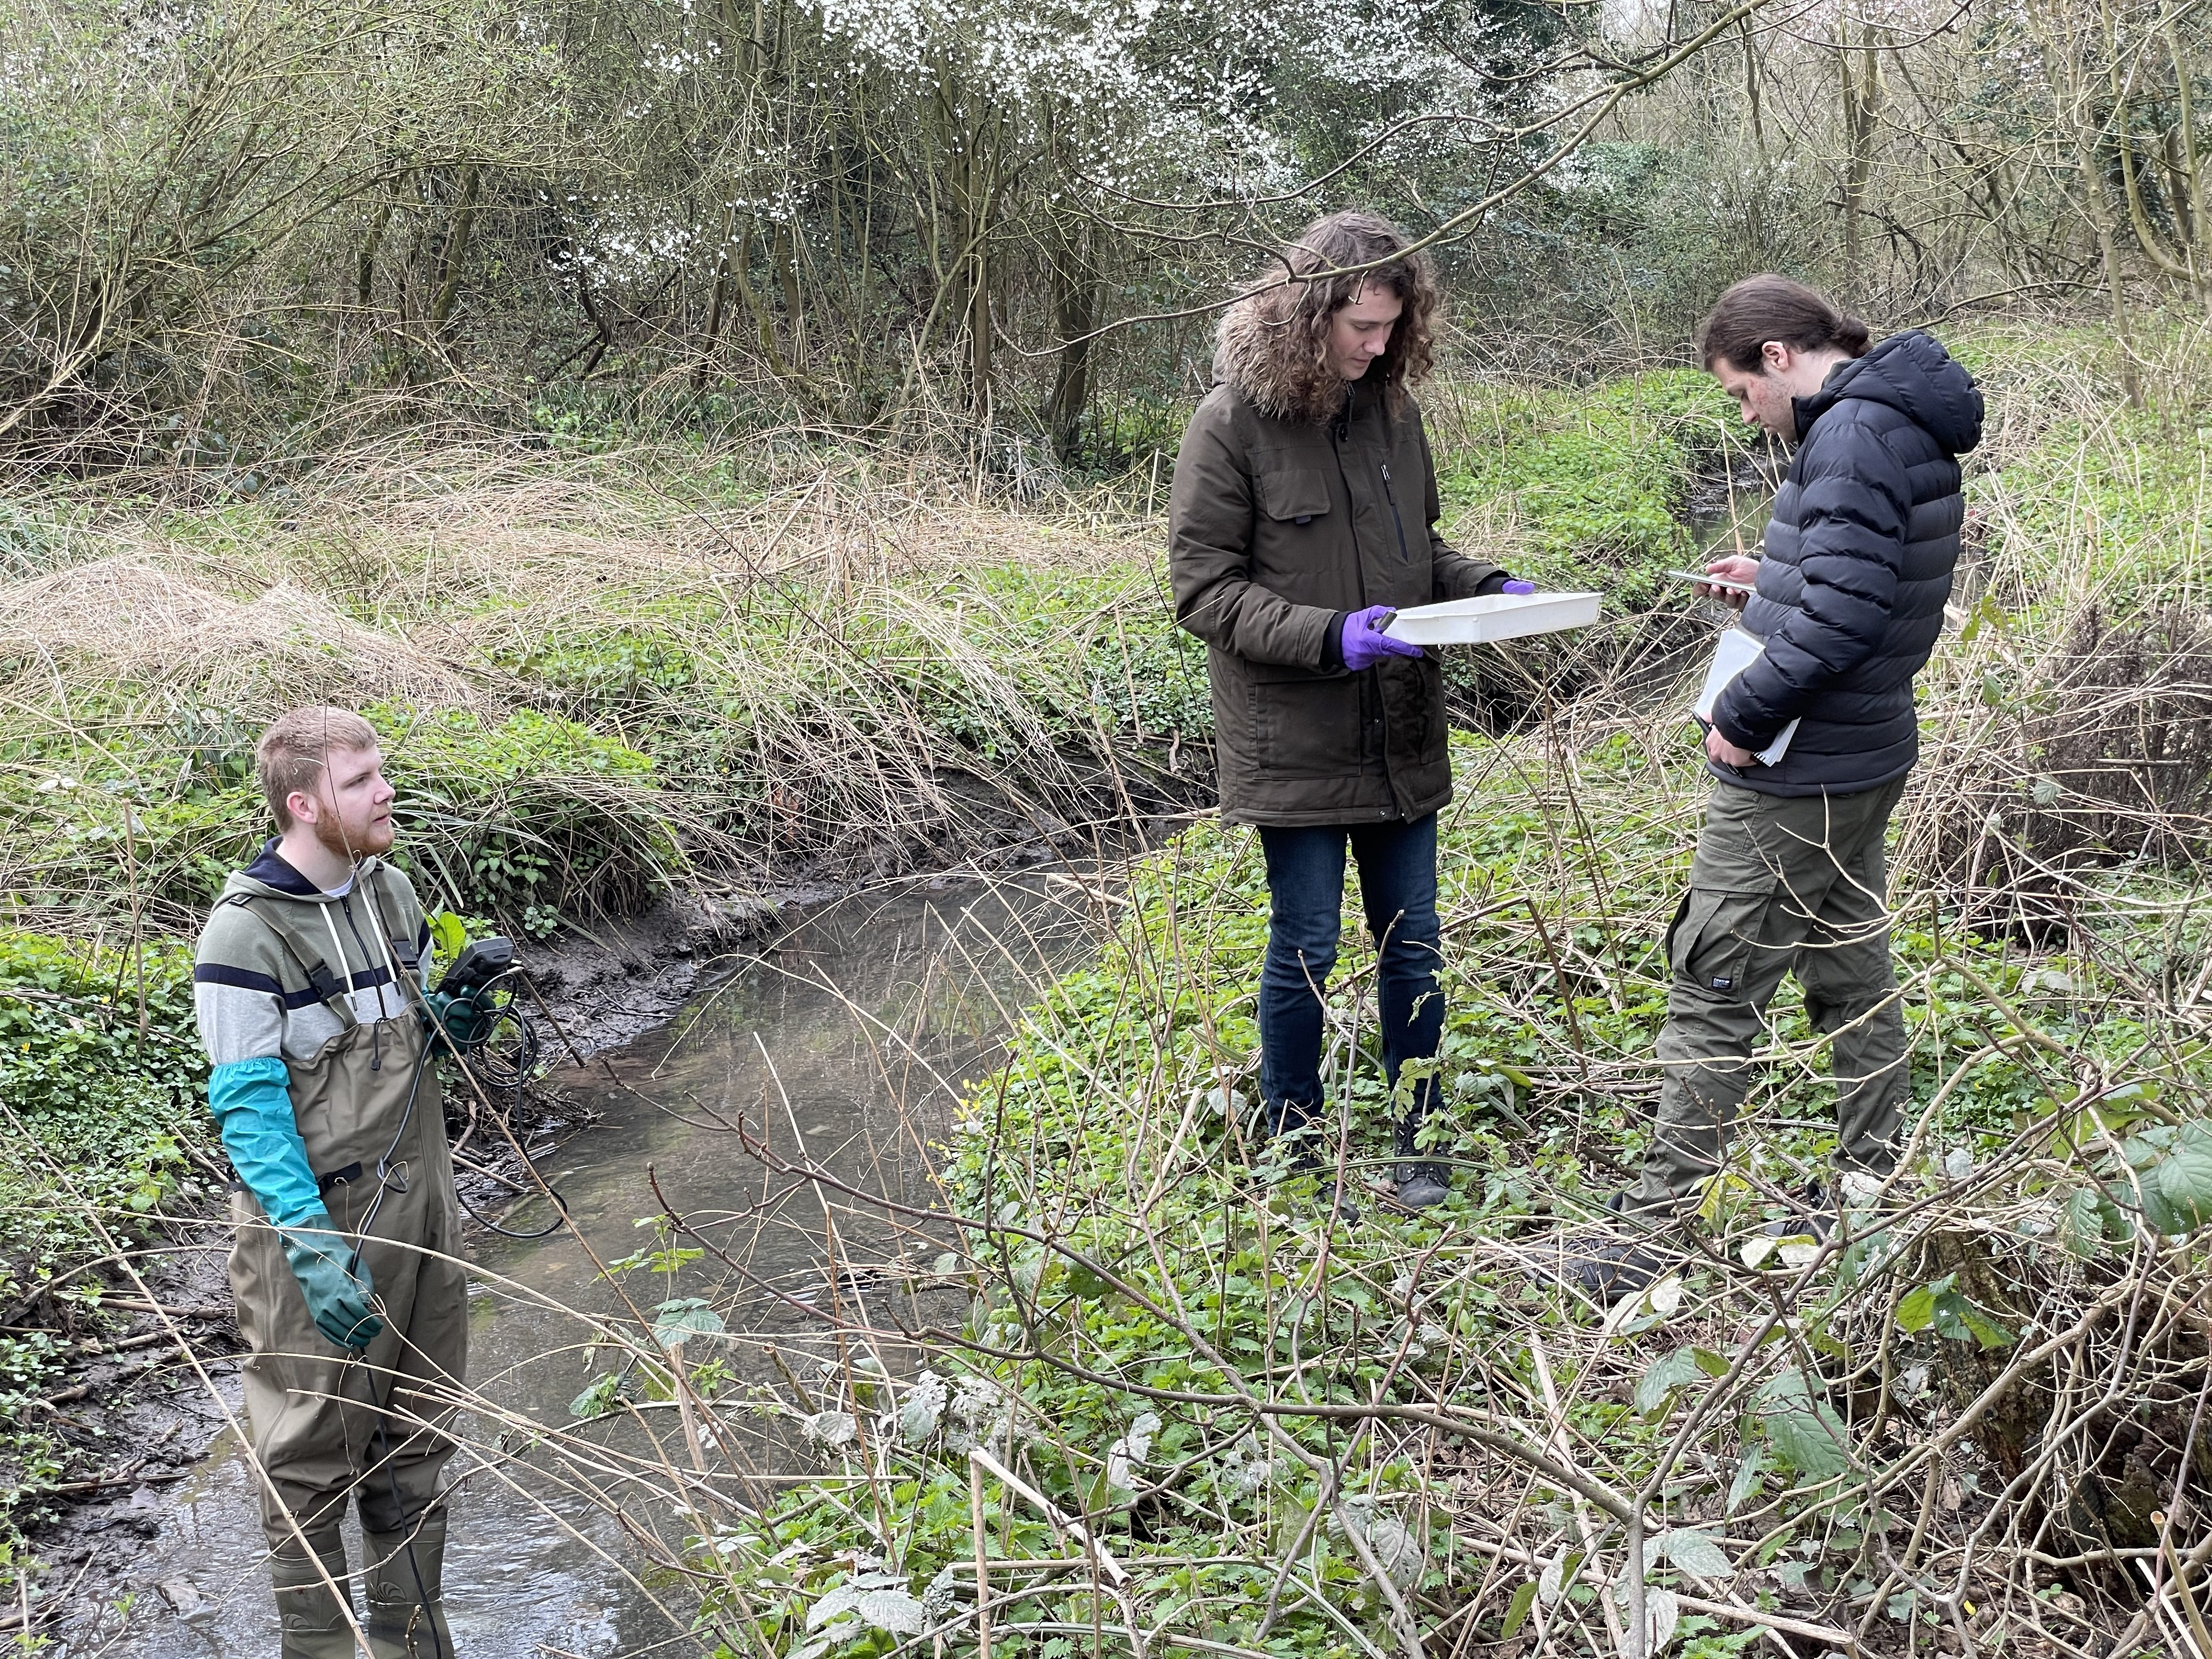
x,y
126,620
393,573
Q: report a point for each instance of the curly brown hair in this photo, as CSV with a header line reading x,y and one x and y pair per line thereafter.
x,y
1328,265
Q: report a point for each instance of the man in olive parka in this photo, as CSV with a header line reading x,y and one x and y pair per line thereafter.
x,y
1303,513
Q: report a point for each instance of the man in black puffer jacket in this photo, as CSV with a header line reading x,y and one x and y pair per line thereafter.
x,y
1849,602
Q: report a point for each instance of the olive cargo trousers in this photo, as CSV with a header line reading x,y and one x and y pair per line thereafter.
x,y
1780,885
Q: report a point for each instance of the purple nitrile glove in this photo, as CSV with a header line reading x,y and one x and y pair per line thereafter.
x,y
1514,585
1365,644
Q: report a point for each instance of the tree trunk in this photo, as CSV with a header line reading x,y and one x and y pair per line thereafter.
x,y
787,275
1862,100
1075,314
453,258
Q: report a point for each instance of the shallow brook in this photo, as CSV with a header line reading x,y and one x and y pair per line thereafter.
x,y
851,1032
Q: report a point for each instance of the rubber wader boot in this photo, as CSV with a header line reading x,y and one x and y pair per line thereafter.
x,y
316,1620
405,1573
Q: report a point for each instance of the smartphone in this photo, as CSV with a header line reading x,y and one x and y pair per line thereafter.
x,y
1699,576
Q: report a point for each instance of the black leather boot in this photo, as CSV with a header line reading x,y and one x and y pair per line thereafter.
x,y
1420,1183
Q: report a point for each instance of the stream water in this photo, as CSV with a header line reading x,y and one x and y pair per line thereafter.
x,y
1735,523
854,1031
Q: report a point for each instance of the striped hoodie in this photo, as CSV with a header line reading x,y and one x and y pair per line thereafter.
x,y
283,970
253,992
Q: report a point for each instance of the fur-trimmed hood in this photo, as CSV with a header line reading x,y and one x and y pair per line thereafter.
x,y
1261,360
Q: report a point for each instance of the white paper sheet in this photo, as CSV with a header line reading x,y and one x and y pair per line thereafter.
x,y
1734,652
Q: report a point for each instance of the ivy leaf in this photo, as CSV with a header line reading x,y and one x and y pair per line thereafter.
x,y
1517,1613
1972,1323
1916,1309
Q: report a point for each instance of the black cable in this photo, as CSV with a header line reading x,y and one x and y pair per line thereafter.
x,y
510,1067
507,1064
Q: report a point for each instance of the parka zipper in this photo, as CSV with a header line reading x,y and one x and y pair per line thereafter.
x,y
1370,686
1390,494
1340,433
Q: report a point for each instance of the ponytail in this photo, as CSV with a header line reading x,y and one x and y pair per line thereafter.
x,y
1770,307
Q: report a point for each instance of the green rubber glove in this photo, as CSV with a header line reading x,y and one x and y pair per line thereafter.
x,y
337,1294
457,1016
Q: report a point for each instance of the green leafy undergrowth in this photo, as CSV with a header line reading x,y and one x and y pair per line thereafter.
x,y
1591,483
1142,1265
104,1087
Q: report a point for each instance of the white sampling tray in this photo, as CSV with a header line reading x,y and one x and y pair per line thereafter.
x,y
1494,616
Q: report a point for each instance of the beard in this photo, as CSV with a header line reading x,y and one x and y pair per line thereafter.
x,y
373,840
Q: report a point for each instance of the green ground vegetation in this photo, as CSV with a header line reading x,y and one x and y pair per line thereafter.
x,y
1163,1320
1297,1436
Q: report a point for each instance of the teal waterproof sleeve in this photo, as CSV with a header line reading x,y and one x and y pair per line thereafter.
x,y
253,1108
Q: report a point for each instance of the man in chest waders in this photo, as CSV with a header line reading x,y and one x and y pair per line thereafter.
x,y
310,992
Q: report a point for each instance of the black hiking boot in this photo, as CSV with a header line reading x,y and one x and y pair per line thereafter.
x,y
1292,1146
1610,1265
1420,1183
1813,1217
1330,1185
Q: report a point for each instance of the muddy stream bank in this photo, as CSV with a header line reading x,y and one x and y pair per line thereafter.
x,y
853,1030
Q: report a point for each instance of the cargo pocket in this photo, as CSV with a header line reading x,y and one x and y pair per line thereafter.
x,y
1710,943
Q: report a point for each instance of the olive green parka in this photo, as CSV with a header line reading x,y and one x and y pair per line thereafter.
x,y
1280,523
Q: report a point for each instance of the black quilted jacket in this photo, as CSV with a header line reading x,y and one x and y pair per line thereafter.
x,y
1857,571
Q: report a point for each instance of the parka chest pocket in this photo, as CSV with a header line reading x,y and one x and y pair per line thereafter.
x,y
1293,495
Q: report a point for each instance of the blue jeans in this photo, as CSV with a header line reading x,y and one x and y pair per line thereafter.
x,y
1305,892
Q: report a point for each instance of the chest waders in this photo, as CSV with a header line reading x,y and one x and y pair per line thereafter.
x,y
329,1424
